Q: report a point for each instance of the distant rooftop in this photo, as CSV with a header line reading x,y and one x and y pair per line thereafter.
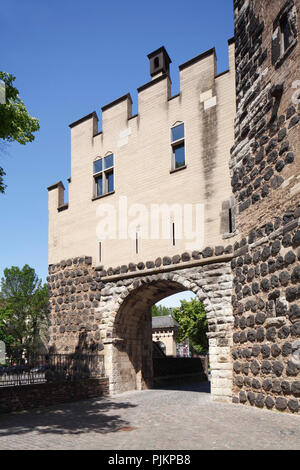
x,y
164,321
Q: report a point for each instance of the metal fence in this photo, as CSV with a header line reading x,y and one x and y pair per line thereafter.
x,y
52,368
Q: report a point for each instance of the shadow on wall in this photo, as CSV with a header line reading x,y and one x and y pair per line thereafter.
x,y
85,345
86,361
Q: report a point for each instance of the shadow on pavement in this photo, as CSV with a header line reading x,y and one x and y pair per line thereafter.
x,y
201,387
71,418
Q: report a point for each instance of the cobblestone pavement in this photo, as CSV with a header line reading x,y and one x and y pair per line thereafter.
x,y
176,419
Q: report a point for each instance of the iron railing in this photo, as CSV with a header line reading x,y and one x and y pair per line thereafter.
x,y
51,368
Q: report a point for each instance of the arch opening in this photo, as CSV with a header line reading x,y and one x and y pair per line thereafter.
x,y
132,354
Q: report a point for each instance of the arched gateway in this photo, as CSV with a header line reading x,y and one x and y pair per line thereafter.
x,y
115,310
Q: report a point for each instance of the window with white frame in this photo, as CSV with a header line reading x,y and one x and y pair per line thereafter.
x,y
103,173
178,147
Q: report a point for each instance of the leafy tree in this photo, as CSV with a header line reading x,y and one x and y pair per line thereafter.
x,y
193,324
16,124
160,310
2,185
23,311
4,333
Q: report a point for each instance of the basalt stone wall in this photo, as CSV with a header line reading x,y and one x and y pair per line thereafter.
x,y
265,169
265,158
74,297
267,316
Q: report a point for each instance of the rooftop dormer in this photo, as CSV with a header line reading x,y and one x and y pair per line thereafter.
x,y
159,62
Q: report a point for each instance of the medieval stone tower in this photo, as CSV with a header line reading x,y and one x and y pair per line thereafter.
x,y
265,172
227,147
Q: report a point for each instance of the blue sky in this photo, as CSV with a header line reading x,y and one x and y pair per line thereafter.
x,y
70,58
174,300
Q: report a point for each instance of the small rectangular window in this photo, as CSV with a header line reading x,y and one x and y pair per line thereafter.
x,y
108,161
99,185
109,181
179,155
177,132
97,166
103,171
178,146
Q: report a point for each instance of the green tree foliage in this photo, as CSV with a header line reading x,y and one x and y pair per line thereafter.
x,y
193,324
2,185
16,124
160,310
23,311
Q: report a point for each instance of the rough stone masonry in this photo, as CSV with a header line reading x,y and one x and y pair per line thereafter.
x,y
265,164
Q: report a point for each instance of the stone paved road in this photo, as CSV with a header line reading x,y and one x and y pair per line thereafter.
x,y
178,419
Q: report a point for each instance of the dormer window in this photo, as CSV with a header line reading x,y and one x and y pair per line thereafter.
x,y
159,62
103,173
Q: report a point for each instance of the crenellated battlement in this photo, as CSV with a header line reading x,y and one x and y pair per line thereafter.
x,y
157,91
143,165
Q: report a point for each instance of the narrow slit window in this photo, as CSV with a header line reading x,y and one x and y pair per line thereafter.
x,y
100,251
230,220
156,62
173,234
137,242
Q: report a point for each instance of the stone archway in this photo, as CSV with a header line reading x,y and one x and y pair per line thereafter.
x,y
132,335
113,309
162,345
128,342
